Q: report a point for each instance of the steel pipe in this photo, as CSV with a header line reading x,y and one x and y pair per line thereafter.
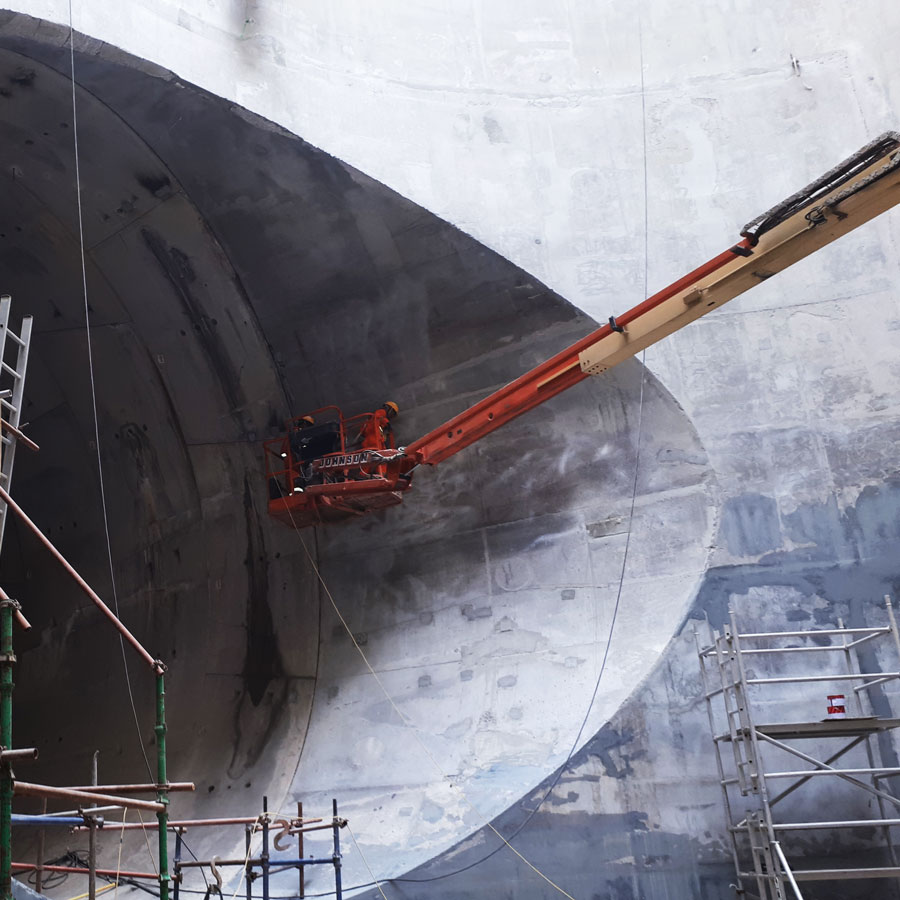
x,y
337,824
275,864
248,869
881,676
880,629
48,820
132,788
38,878
282,865
162,780
265,850
188,823
154,664
24,789
301,872
786,869
21,621
759,651
808,773
7,661
94,810
845,823
24,755
206,863
83,870
304,829
19,435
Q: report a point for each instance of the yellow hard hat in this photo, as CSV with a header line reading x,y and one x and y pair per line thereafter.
x,y
308,419
391,405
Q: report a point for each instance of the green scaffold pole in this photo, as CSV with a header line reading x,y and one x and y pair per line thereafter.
x,y
161,784
7,661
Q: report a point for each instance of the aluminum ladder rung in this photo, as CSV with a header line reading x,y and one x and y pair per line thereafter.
x,y
14,336
8,368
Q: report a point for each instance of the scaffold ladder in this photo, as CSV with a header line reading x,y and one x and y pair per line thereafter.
x,y
757,822
13,363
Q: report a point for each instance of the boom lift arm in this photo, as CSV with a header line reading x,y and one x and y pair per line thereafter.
x,y
348,484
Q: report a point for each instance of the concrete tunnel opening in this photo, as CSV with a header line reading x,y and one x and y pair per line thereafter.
x,y
236,276
222,298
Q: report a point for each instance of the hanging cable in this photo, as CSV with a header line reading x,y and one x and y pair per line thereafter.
x,y
362,856
616,605
147,842
90,355
407,723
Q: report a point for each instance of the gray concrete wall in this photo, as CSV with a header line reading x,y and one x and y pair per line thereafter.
x,y
603,149
208,327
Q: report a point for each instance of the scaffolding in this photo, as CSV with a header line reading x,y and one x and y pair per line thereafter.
x,y
94,800
752,790
263,865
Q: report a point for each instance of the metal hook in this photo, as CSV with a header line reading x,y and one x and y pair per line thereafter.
x,y
285,832
216,874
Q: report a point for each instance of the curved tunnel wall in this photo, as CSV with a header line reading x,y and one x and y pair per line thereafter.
x,y
807,513
270,280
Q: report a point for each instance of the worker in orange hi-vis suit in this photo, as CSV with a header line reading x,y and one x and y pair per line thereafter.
x,y
377,433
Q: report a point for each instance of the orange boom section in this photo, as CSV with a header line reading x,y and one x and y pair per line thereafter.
x,y
327,468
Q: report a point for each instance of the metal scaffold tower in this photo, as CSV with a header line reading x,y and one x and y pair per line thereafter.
x,y
750,753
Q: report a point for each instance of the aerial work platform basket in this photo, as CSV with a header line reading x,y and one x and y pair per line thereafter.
x,y
324,469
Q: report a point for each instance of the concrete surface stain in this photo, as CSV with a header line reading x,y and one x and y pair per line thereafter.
x,y
176,266
750,525
262,662
158,184
23,77
618,844
844,574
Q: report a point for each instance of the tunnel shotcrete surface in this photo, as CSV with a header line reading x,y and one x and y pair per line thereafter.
x,y
237,275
